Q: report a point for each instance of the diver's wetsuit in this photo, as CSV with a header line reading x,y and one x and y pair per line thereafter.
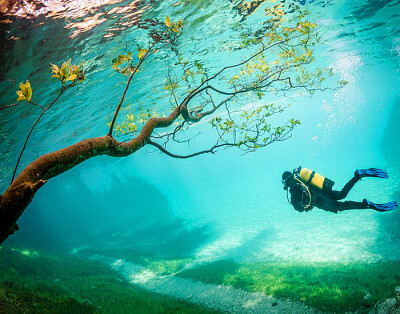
x,y
325,200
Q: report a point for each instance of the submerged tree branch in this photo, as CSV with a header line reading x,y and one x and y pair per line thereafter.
x,y
21,191
243,128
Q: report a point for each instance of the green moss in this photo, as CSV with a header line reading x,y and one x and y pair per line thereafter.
x,y
67,284
324,286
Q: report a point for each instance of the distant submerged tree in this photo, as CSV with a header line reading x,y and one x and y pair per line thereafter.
x,y
278,57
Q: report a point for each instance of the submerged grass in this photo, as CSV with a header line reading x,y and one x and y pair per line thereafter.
x,y
41,282
328,287
35,282
160,265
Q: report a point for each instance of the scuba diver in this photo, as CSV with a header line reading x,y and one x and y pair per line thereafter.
x,y
308,189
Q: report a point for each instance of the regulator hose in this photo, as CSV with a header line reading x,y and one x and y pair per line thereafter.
x,y
308,191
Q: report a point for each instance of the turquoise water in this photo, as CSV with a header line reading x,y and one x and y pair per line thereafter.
x,y
224,206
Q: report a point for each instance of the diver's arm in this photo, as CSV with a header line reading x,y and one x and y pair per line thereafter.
x,y
296,198
298,206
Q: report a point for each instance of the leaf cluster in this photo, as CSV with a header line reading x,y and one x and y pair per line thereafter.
x,y
68,72
125,60
175,27
25,92
123,63
133,122
250,129
128,126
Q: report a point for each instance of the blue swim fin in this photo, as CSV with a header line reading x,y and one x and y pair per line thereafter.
x,y
371,172
381,207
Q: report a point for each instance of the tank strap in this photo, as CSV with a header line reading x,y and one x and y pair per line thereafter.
x,y
308,191
287,196
311,177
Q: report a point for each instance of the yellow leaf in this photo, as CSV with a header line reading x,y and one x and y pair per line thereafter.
x,y
175,29
54,68
180,24
167,21
71,77
23,88
77,68
63,70
142,52
72,69
29,91
20,96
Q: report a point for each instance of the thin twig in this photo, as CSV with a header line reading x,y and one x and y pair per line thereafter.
x,y
8,106
126,89
63,89
206,151
36,105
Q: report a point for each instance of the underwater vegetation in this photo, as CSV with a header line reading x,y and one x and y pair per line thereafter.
x,y
160,265
33,282
41,282
327,287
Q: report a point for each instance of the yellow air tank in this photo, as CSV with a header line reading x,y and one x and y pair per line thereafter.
x,y
316,180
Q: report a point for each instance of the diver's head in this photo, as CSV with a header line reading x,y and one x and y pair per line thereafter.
x,y
287,177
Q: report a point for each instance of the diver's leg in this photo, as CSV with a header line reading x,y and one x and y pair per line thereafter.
x,y
333,206
339,195
346,205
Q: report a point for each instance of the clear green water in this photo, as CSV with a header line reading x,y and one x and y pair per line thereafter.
x,y
225,206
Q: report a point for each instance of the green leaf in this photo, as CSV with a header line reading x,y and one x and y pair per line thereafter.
x,y
142,52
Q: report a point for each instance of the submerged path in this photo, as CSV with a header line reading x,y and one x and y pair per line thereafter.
x,y
217,297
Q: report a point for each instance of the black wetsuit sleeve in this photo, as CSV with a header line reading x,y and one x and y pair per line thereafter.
x,y
296,193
